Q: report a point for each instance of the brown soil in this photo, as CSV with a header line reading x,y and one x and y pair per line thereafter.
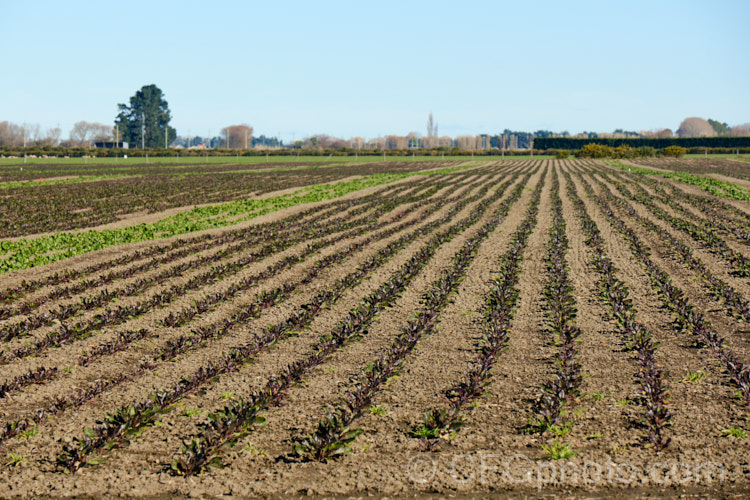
x,y
490,456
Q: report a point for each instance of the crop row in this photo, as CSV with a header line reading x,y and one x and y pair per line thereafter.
x,y
715,220
110,317
557,392
714,243
46,249
652,393
103,297
716,187
498,311
687,316
712,206
135,416
306,315
273,243
271,334
733,300
60,207
333,434
721,216
264,299
706,165
11,295
267,299
154,167
206,303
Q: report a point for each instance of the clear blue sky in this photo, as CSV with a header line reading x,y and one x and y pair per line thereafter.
x,y
368,68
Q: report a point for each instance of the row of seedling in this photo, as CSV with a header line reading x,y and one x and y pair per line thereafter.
x,y
652,392
688,318
68,332
201,452
334,432
309,216
264,301
558,391
208,302
715,221
733,300
498,310
714,243
145,413
267,299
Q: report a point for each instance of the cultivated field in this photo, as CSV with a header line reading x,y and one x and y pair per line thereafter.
x,y
515,327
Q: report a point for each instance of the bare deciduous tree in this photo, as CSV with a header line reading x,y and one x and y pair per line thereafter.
x,y
413,140
656,133
396,142
739,130
325,141
50,137
11,134
356,142
238,136
445,141
86,133
31,134
468,142
695,127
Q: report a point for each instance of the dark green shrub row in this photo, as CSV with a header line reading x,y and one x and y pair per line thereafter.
x,y
730,143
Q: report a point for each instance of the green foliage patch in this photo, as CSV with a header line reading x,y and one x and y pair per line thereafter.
x,y
724,189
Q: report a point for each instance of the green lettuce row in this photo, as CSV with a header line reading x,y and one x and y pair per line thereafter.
x,y
716,187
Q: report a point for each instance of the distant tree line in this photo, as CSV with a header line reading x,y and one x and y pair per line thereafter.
x,y
52,151
77,152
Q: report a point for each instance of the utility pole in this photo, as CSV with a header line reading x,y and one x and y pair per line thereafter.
x,y
245,138
143,131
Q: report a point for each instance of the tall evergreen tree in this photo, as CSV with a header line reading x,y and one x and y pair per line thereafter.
x,y
146,120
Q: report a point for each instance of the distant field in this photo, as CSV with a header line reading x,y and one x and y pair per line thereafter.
x,y
730,156
699,164
81,196
241,160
